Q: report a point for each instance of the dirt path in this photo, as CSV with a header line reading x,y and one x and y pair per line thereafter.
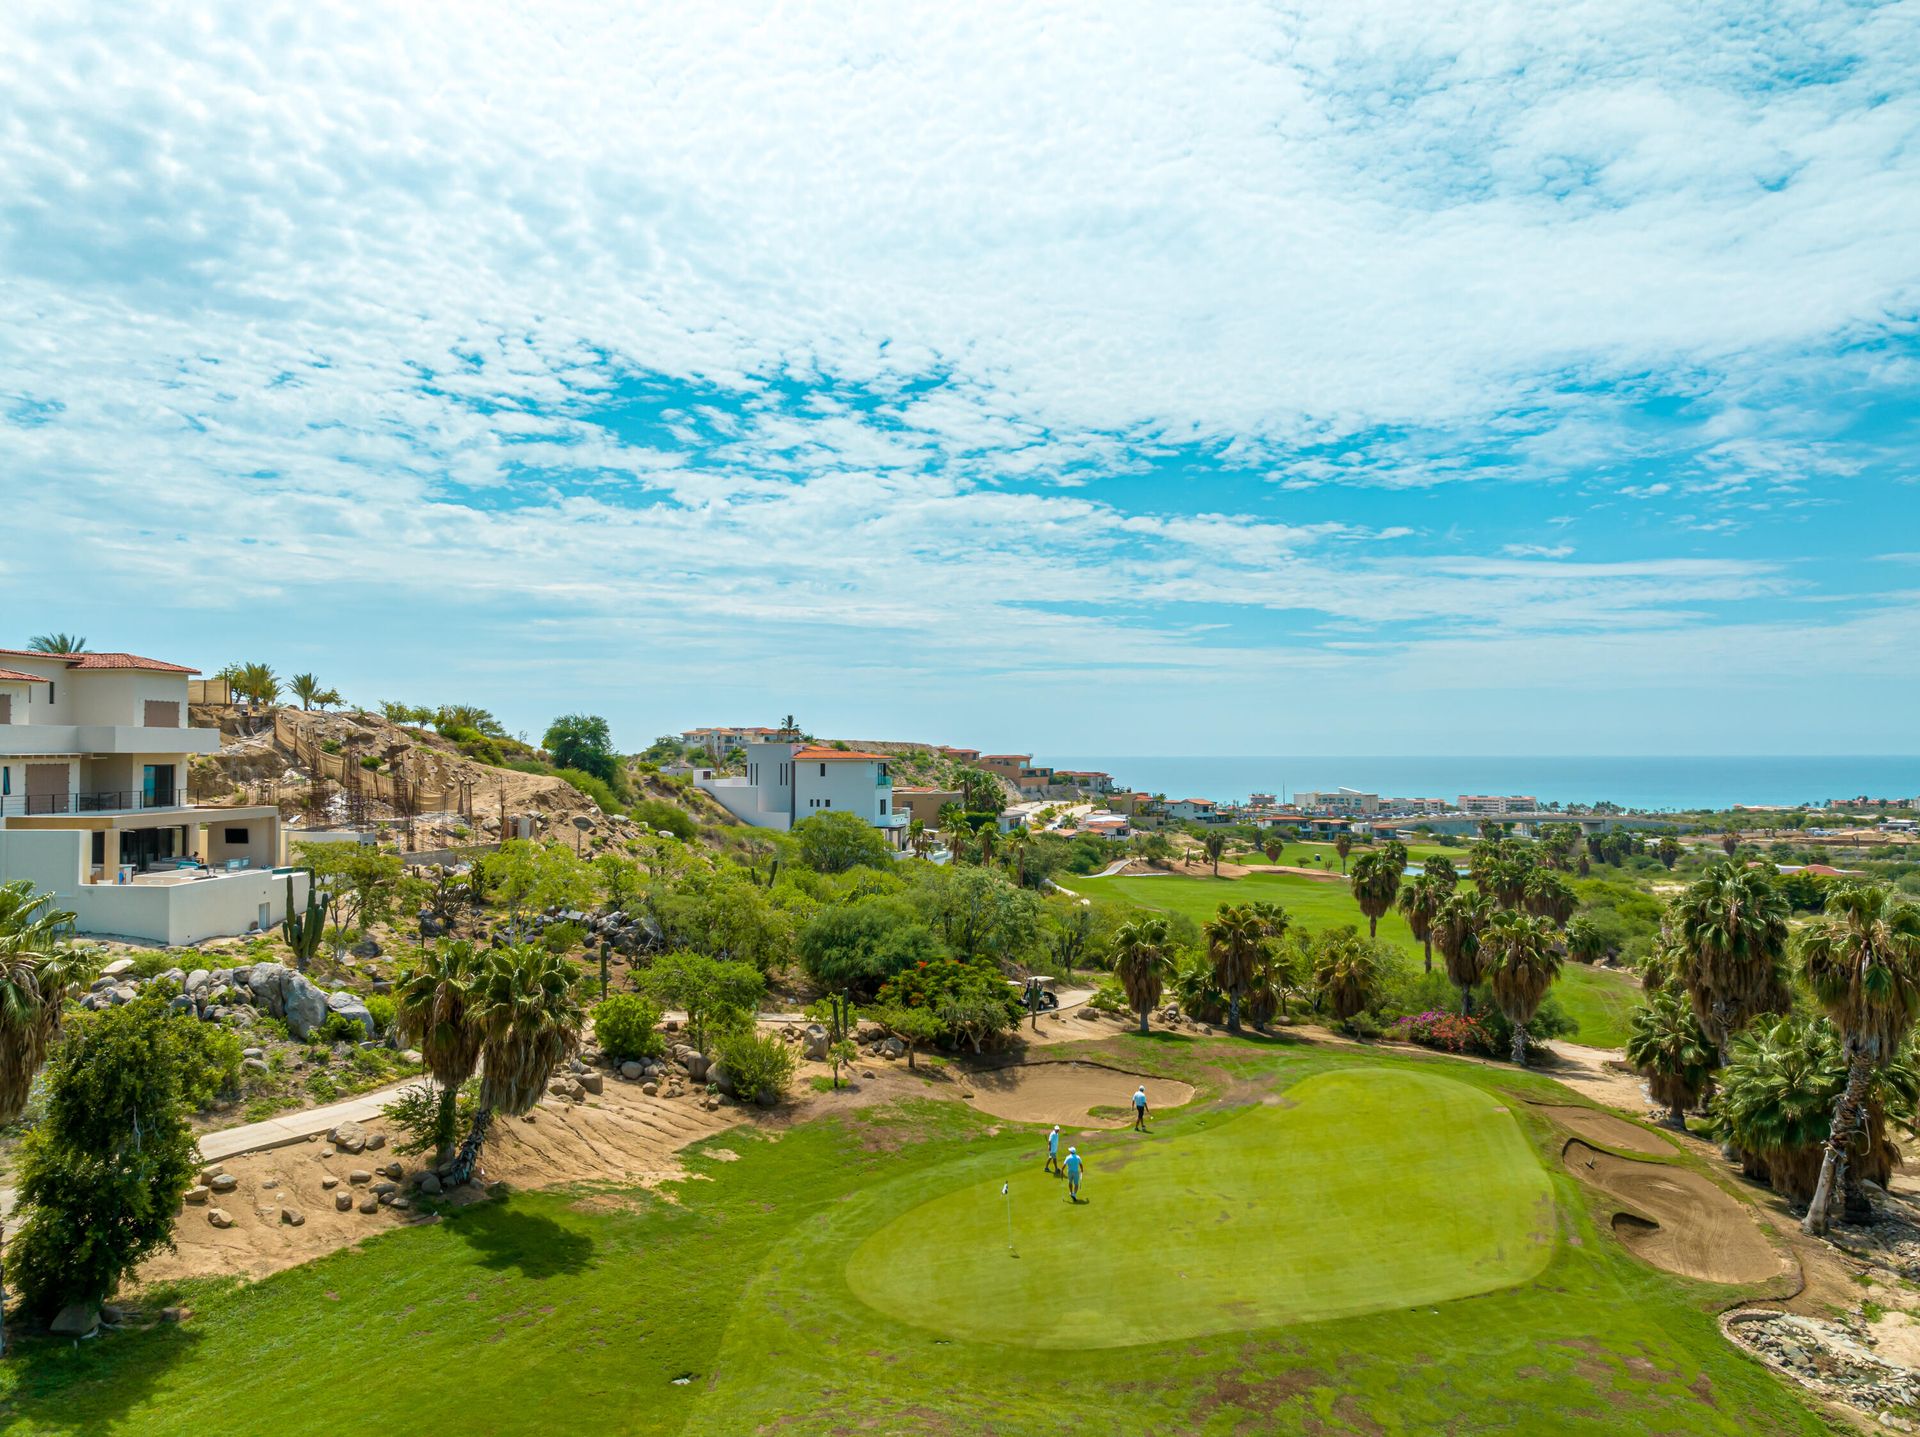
x,y
1607,1131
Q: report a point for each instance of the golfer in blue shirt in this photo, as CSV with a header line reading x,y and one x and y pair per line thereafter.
x,y
1073,1175
1053,1151
1140,1108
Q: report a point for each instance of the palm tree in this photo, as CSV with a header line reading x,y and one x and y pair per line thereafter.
x,y
988,839
1667,850
1375,883
257,681
1273,849
1457,929
1548,895
953,822
1272,973
1509,878
1862,961
57,644
1346,970
919,841
1421,899
526,1004
1730,843
1019,840
433,1012
1522,963
307,689
1731,926
1397,851
1441,870
1668,1047
1234,939
1141,961
1586,940
1214,844
37,971
1343,845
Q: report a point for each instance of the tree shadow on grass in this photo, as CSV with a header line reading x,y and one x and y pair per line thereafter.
x,y
57,1384
534,1246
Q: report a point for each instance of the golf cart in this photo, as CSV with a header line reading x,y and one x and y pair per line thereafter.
x,y
1038,994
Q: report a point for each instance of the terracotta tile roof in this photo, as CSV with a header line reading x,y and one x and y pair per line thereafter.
x,y
14,676
815,755
102,661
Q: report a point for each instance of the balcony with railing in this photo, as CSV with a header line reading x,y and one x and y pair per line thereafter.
x,y
58,805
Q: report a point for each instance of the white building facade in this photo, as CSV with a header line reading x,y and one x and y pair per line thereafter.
x,y
94,750
788,782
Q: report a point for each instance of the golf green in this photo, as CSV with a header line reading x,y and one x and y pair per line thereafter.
x,y
1352,1192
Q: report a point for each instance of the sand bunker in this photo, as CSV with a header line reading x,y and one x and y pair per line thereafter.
x,y
1677,1219
1068,1093
1607,1131
620,1136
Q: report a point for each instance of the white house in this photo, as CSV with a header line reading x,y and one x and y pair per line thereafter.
x,y
93,779
1192,810
788,782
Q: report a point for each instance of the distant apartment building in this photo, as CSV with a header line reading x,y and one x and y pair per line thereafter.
x,y
924,803
1262,800
1416,805
788,781
1193,810
1493,805
719,742
1348,802
1017,769
94,750
1087,780
962,755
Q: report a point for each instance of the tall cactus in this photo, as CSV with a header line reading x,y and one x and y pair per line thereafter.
x,y
303,929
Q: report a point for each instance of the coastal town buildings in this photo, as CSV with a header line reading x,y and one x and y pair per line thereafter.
x,y
1351,802
94,751
1496,805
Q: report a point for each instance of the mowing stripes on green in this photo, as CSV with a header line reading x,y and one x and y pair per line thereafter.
x,y
1354,1191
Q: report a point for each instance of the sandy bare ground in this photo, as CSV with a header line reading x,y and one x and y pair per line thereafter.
x,y
1607,1131
1677,1219
1594,1073
1066,1093
620,1136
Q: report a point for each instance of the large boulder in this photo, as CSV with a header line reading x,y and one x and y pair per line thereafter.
x,y
813,1043
303,1007
76,1319
117,967
349,1137
719,1077
199,981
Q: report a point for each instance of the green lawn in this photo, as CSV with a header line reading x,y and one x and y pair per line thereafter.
x,y
1598,999
555,1312
1246,1219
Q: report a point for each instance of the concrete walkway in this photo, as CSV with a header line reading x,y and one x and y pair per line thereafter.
x,y
278,1132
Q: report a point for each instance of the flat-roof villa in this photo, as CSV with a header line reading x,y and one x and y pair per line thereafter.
x,y
94,749
788,781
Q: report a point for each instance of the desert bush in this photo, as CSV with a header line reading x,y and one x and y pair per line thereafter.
x,y
381,1007
628,1027
595,788
759,1066
1448,1032
663,817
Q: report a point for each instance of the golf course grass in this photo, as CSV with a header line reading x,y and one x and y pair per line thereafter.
x,y
1242,1222
1599,1000
738,1300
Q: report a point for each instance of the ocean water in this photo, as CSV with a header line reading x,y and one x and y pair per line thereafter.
x,y
1639,783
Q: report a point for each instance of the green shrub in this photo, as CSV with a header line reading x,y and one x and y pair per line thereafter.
x,y
597,789
382,1009
759,1066
209,1060
563,937
372,760
628,1028
1110,997
322,1087
339,1028
663,817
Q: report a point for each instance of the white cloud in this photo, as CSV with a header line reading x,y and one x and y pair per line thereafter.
x,y
348,296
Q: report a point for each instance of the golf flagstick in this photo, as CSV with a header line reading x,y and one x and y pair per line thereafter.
x,y
1006,1191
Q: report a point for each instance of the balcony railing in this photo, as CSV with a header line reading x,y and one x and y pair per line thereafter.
x,y
35,805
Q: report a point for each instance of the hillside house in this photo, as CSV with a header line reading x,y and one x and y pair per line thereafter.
x,y
788,781
94,751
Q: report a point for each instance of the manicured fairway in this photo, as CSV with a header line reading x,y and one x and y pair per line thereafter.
x,y
1599,1000
1267,1216
725,1305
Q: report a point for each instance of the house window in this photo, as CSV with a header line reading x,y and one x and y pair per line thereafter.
x,y
823,770
234,835
827,802
49,692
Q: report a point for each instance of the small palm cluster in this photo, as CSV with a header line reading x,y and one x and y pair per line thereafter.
x,y
512,1014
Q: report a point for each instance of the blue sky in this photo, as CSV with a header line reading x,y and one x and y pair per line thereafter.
x,y
1234,378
